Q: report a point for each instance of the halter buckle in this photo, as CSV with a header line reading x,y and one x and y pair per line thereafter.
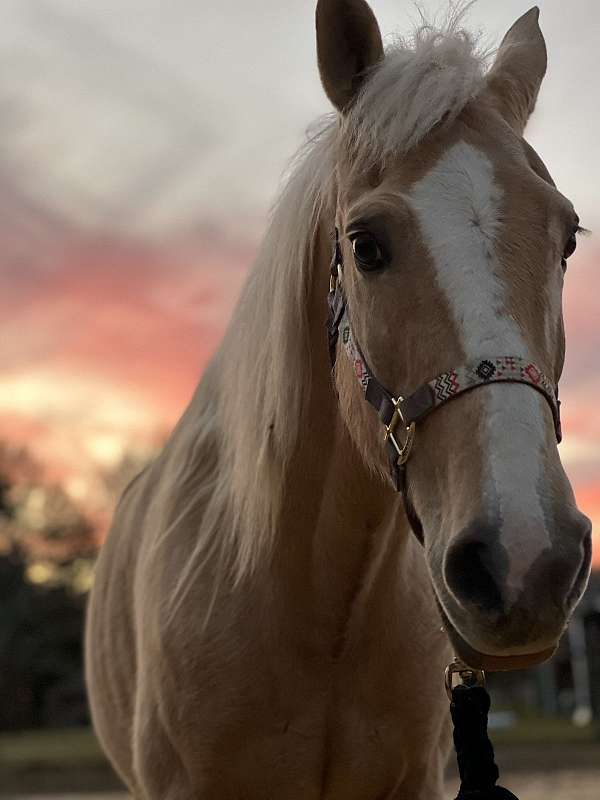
x,y
403,450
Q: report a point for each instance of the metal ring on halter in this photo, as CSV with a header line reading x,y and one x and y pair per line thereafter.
x,y
335,278
403,450
468,675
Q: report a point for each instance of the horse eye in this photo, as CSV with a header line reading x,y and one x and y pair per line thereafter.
x,y
570,247
367,252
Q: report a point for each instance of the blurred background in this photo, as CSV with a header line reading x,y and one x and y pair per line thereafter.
x,y
141,144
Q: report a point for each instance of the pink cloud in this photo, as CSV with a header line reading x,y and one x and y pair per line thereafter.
x,y
139,324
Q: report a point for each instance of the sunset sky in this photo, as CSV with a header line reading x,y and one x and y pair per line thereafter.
x,y
141,144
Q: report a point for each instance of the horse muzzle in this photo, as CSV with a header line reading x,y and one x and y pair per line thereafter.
x,y
496,622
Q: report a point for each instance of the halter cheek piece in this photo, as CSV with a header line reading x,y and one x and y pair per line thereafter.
x,y
400,415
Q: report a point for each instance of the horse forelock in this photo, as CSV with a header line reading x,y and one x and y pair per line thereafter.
x,y
424,82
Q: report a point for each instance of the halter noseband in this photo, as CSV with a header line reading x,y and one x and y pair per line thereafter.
x,y
400,414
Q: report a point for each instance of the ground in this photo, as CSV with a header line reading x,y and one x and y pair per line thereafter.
x,y
557,785
68,765
561,785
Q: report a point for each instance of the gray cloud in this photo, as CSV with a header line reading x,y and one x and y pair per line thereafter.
x,y
143,115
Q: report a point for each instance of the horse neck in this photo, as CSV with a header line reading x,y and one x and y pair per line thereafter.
x,y
337,518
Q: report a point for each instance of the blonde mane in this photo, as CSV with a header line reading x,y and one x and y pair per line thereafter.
x,y
251,404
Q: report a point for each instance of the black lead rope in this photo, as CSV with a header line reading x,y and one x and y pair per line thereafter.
x,y
469,707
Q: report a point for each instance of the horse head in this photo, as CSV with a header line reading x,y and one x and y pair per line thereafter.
x,y
454,241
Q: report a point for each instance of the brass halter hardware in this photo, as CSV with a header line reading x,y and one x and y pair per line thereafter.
x,y
335,278
466,675
403,450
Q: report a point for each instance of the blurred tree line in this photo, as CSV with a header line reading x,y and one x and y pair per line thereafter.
x,y
47,551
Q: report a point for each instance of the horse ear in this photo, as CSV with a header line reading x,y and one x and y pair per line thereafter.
x,y
348,45
516,76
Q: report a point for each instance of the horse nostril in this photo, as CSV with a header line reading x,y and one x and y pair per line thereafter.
x,y
478,567
469,574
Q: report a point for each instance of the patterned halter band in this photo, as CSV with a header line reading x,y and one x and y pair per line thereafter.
x,y
399,414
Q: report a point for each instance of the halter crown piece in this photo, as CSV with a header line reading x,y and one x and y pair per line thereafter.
x,y
400,414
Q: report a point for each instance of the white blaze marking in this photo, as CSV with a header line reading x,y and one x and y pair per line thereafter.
x,y
457,204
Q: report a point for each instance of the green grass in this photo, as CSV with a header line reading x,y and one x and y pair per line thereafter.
x,y
63,748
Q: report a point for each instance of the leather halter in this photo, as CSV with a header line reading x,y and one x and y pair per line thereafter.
x,y
399,414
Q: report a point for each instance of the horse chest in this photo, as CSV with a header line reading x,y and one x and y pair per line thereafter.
x,y
296,730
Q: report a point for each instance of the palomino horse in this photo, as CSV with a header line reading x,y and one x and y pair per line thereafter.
x,y
264,625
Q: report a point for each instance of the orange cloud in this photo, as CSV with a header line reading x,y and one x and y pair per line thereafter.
x,y
108,345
